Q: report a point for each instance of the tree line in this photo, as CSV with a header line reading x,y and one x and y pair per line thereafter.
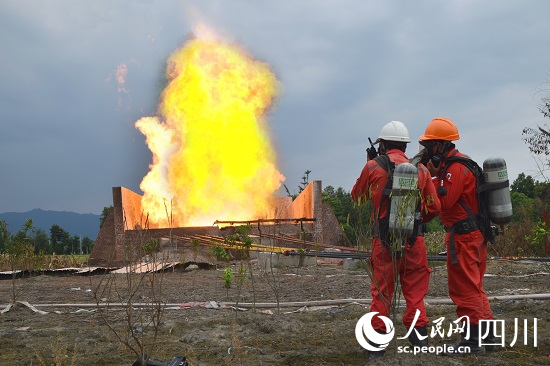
x,y
528,231
57,241
530,199
38,241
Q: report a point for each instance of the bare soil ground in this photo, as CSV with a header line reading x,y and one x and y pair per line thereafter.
x,y
309,335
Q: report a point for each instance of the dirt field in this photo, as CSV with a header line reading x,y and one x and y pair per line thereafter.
x,y
298,335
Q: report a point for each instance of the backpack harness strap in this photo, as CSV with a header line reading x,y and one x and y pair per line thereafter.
x,y
468,224
464,226
380,228
495,185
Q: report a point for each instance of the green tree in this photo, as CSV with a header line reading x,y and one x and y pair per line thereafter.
x,y
542,193
522,207
3,224
22,233
59,239
73,245
538,139
537,239
19,250
351,216
87,245
435,225
524,184
529,198
104,214
40,241
340,201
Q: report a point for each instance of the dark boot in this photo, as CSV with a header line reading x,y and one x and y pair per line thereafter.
x,y
373,355
490,341
465,346
419,337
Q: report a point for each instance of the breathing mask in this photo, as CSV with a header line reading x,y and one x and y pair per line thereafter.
x,y
436,157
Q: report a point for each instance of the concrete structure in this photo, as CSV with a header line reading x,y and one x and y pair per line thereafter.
x,y
268,260
126,230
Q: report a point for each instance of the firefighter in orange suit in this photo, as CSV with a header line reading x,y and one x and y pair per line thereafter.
x,y
411,265
466,246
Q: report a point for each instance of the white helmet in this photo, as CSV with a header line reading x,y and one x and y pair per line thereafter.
x,y
394,131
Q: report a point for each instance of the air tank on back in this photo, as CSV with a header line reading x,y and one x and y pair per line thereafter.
x,y
404,200
500,202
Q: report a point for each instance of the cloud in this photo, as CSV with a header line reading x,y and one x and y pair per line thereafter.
x,y
345,69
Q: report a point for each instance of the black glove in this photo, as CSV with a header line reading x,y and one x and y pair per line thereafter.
x,y
436,160
371,153
421,157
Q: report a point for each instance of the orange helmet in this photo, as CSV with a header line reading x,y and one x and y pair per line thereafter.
x,y
441,129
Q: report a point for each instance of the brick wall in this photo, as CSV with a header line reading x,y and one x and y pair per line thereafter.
x,y
125,229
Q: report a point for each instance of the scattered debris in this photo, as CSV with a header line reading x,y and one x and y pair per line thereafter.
x,y
202,304
25,303
6,309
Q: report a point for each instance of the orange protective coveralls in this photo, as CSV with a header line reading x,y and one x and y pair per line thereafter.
x,y
412,266
466,276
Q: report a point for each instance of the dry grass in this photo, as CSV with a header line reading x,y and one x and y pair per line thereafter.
x,y
40,262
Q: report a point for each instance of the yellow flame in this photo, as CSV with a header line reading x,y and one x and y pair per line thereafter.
x,y
212,154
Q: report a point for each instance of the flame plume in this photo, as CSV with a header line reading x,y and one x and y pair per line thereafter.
x,y
212,154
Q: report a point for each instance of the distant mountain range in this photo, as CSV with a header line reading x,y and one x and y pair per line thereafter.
x,y
72,222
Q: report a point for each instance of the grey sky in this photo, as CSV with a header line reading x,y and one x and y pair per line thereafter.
x,y
346,68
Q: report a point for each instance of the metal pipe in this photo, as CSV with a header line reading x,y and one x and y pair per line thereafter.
x,y
294,220
435,258
432,301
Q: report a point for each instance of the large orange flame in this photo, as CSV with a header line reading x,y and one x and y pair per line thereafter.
x,y
212,154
